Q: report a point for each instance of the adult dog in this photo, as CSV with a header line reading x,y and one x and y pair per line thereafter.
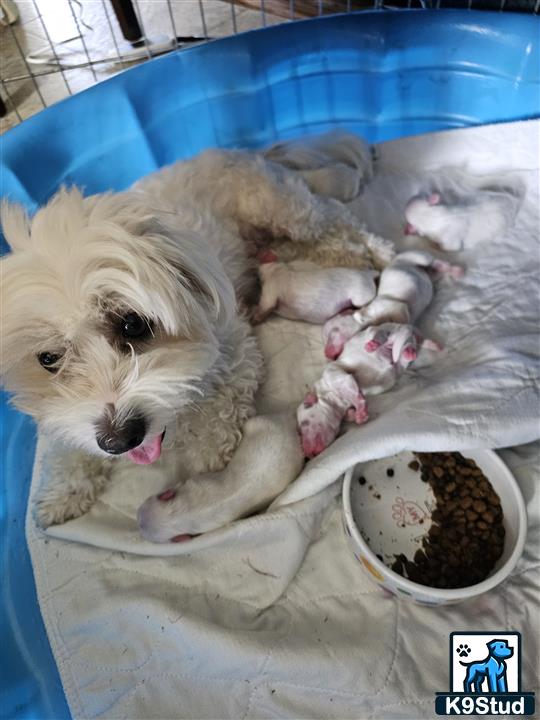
x,y
123,314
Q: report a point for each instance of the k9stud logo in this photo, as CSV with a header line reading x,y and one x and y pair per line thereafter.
x,y
485,676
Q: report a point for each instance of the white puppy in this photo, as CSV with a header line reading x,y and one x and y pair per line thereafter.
x,y
302,291
371,363
379,355
405,289
453,226
120,320
268,458
335,397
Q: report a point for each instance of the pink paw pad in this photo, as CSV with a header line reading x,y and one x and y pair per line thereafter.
x,y
410,229
361,414
310,400
409,353
181,538
332,352
372,345
167,495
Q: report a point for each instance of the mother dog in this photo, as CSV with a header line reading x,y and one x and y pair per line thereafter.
x,y
123,315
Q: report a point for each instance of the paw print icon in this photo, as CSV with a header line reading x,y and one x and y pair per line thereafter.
x,y
463,650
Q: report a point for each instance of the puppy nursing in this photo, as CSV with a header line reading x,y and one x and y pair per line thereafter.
x,y
302,291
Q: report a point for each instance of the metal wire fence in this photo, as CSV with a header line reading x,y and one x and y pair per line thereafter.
x,y
51,49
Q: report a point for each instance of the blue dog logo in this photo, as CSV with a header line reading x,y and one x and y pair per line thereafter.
x,y
492,669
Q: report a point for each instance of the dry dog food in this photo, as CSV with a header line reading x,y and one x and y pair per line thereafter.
x,y
466,537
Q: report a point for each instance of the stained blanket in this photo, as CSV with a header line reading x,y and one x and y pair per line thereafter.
x,y
273,616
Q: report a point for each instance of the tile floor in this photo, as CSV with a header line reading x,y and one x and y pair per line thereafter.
x,y
96,22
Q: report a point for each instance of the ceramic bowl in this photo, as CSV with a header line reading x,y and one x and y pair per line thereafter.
x,y
387,511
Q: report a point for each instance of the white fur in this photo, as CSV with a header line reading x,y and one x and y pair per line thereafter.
x,y
454,225
301,292
378,371
175,250
405,289
267,459
332,164
336,331
335,396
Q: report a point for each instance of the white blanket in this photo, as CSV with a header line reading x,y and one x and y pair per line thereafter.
x,y
272,616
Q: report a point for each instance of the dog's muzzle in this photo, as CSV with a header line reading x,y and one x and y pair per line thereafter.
x,y
117,439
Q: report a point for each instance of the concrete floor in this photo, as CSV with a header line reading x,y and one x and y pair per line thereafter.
x,y
95,20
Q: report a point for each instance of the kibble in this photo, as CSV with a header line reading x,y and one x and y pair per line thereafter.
x,y
466,537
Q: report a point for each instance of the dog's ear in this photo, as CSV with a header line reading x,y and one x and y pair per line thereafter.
x,y
15,225
195,269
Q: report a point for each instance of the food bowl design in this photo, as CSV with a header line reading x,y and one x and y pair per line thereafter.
x,y
387,511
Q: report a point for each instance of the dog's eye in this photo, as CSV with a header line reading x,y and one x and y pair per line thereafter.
x,y
135,327
49,360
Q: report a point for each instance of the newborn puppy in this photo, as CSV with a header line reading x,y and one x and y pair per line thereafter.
x,y
405,289
337,331
303,291
335,397
453,226
378,355
268,459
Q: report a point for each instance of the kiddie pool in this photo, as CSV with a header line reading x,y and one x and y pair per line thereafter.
x,y
382,74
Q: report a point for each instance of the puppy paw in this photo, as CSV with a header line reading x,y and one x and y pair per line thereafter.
x,y
332,352
372,345
409,353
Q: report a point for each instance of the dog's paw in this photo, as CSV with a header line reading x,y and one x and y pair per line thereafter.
x,y
463,650
71,490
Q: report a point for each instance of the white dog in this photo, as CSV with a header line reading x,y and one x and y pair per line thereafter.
x,y
120,315
302,291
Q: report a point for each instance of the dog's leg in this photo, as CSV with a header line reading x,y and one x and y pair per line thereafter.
x,y
73,482
268,458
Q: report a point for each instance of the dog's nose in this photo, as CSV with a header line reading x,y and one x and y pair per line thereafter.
x,y
117,439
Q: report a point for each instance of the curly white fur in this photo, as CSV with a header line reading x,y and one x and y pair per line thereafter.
x,y
175,251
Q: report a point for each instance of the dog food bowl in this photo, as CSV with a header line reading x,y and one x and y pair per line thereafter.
x,y
387,511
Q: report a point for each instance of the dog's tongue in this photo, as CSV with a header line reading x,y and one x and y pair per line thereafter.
x,y
146,453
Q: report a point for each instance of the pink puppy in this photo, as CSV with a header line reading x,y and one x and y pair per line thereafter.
x,y
335,397
303,291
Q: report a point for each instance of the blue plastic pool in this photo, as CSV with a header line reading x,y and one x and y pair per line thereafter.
x,y
383,74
